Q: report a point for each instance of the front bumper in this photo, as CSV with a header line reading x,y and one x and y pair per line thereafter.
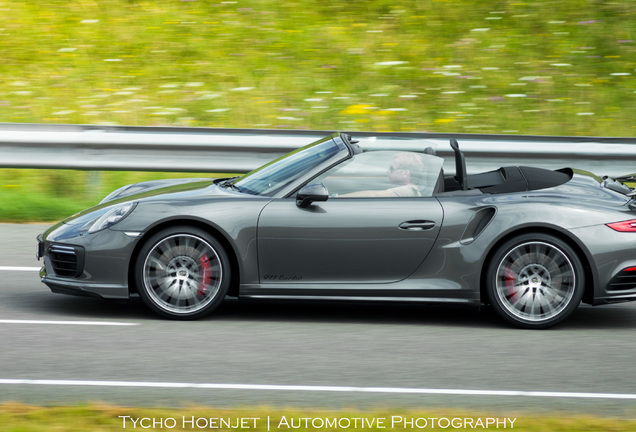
x,y
84,264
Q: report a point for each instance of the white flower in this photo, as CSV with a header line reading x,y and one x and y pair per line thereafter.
x,y
390,63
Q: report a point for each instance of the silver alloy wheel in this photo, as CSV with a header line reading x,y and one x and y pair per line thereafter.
x,y
535,281
182,274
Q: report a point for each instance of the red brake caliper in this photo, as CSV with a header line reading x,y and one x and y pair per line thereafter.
x,y
206,275
511,279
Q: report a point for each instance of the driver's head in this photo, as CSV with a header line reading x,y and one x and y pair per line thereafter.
x,y
406,168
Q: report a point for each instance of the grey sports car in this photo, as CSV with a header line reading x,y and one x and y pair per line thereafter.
x,y
330,221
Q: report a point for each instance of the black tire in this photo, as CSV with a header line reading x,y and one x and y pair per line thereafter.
x,y
182,273
535,280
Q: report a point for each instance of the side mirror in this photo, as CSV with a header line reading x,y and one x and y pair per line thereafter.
x,y
311,193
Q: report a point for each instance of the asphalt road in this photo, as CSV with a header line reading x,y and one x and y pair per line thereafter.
x,y
59,349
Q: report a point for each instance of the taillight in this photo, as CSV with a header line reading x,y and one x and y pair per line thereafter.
x,y
625,226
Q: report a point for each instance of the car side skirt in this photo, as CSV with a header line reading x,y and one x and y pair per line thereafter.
x,y
353,292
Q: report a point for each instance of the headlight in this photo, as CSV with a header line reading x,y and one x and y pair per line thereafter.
x,y
112,216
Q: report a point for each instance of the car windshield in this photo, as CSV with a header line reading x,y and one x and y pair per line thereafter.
x,y
274,176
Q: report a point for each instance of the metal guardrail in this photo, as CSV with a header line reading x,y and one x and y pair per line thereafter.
x,y
106,148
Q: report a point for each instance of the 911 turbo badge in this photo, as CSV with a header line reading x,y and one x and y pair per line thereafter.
x,y
282,278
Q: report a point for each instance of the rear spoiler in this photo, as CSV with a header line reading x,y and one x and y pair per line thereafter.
x,y
630,192
618,185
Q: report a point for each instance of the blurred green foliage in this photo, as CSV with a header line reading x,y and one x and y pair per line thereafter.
x,y
538,67
28,195
465,66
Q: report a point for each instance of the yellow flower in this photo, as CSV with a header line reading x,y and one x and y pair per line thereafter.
x,y
357,109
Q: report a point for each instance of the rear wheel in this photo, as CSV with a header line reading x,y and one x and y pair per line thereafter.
x,y
182,273
535,280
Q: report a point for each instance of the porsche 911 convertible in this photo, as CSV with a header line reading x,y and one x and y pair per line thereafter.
x,y
331,221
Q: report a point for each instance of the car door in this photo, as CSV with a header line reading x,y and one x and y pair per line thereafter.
x,y
346,240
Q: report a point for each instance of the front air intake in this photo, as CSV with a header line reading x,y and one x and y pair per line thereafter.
x,y
67,261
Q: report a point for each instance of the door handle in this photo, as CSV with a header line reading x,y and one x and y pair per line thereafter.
x,y
417,225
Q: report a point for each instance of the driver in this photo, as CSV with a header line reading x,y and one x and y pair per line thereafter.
x,y
406,172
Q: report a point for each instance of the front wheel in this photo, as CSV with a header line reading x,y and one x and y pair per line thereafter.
x,y
535,280
182,273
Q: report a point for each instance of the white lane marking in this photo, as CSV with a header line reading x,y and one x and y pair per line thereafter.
x,y
27,269
394,390
88,323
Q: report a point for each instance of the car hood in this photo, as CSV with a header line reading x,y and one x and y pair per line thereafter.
x,y
170,185
144,190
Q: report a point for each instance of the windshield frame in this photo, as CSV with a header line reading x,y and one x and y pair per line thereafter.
x,y
287,172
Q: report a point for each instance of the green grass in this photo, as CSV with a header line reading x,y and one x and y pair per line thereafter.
x,y
375,65
536,67
88,418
